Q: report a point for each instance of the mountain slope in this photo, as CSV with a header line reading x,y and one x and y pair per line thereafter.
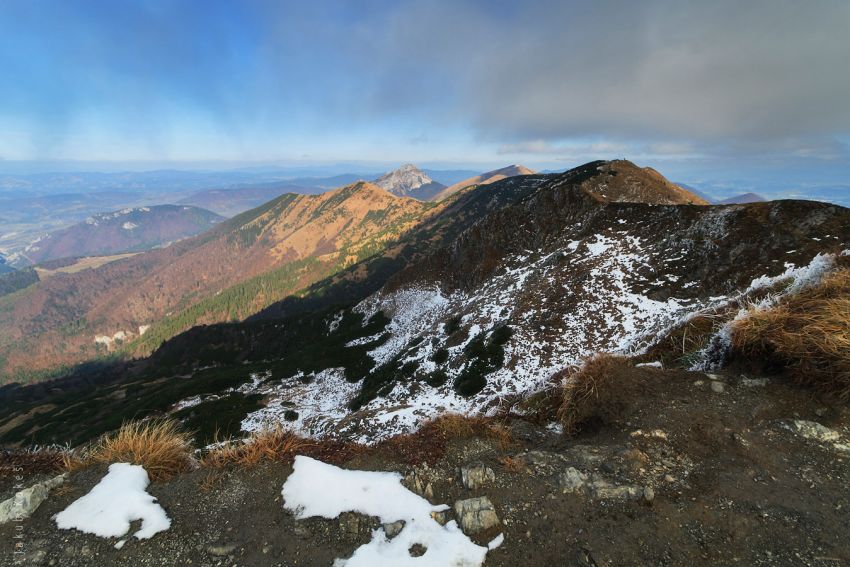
x,y
409,181
296,239
483,179
475,308
127,230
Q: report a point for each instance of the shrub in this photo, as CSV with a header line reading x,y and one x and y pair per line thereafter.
x,y
598,392
807,333
159,445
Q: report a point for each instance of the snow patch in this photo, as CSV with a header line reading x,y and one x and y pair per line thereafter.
x,y
118,499
318,489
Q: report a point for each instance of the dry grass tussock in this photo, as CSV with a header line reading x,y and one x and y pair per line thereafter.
x,y
599,391
273,445
159,445
32,461
809,333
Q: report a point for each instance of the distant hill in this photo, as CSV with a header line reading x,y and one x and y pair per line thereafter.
x,y
409,181
232,201
742,199
483,179
127,230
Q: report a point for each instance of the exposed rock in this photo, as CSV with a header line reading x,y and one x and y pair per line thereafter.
x,y
442,517
717,387
27,501
476,514
394,528
604,490
476,476
572,480
415,482
221,550
813,430
753,382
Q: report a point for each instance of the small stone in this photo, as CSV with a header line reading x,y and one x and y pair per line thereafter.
x,y
717,387
394,528
221,550
442,517
477,475
476,514
754,382
669,478
648,494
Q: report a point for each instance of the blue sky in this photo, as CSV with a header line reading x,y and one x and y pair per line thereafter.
x,y
703,88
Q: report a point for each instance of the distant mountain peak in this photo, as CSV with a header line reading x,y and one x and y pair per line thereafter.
x,y
484,179
409,181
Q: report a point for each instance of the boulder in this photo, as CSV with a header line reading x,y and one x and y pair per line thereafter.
x,y
476,514
27,501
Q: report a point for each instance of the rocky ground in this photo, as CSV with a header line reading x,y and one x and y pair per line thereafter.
x,y
700,470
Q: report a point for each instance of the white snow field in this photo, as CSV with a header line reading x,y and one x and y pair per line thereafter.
x,y
118,499
319,489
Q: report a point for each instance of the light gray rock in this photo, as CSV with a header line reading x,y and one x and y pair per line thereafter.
x,y
813,430
394,528
477,475
476,514
572,480
717,387
221,550
27,501
606,491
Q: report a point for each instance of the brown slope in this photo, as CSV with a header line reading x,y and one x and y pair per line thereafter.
x,y
483,179
56,321
621,181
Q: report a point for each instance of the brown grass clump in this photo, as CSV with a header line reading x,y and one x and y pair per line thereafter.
x,y
808,333
598,391
160,446
275,445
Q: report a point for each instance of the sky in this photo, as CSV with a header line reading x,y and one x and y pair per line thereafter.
x,y
720,89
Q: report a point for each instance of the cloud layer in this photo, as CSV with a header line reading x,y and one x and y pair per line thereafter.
x,y
539,78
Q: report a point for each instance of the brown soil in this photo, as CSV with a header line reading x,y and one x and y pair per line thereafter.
x,y
732,486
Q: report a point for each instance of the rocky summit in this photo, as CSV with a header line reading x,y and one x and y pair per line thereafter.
x,y
409,181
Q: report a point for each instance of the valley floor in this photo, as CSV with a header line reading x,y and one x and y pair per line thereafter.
x,y
701,470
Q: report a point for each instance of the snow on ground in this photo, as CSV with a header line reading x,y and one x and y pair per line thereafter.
x,y
318,489
713,356
118,499
320,399
563,304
